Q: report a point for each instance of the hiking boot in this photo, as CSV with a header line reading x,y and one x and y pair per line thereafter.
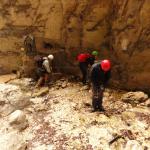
x,y
101,109
94,110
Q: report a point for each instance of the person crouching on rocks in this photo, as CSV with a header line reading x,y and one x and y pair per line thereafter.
x,y
44,69
100,75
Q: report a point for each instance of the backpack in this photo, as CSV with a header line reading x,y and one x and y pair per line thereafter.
x,y
39,61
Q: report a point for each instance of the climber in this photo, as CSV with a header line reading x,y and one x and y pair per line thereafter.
x,y
100,75
44,69
85,60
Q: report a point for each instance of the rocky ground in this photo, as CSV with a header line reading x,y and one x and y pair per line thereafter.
x,y
60,118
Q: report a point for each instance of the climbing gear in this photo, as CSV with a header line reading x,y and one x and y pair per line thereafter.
x,y
95,53
51,57
105,65
81,58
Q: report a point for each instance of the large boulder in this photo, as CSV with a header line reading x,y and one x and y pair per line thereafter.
x,y
18,120
18,100
134,97
12,98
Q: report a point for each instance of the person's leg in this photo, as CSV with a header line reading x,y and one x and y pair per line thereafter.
x,y
94,97
83,68
97,104
100,99
46,79
39,82
40,76
88,76
94,104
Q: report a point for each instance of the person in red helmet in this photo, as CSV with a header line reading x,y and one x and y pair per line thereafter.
x,y
100,75
86,59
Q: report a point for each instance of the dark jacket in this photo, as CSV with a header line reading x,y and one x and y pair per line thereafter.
x,y
39,61
98,76
90,60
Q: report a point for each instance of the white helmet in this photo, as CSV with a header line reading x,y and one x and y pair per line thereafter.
x,y
51,57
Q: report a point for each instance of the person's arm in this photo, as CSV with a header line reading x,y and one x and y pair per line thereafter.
x,y
46,66
107,77
93,74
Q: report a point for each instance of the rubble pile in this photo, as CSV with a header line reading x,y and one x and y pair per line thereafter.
x,y
60,117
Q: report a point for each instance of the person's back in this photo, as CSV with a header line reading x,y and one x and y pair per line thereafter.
x,y
90,60
47,63
98,76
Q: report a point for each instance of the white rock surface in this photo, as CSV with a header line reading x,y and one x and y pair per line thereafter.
x,y
133,145
18,120
12,141
61,120
12,98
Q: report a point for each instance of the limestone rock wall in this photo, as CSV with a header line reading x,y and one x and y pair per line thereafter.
x,y
131,42
118,29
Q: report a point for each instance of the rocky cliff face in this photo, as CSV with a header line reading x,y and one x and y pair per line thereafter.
x,y
118,29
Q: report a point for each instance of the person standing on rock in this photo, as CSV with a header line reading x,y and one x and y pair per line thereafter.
x,y
44,69
100,75
85,60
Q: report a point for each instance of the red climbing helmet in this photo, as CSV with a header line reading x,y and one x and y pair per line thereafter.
x,y
82,57
105,65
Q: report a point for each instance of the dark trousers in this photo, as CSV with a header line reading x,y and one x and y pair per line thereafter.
x,y
84,69
97,97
